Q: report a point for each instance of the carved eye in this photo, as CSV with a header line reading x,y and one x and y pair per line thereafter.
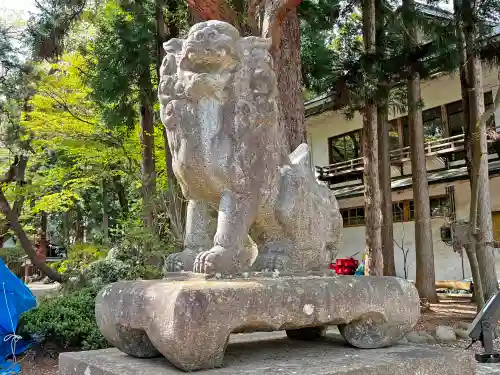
x,y
199,36
211,35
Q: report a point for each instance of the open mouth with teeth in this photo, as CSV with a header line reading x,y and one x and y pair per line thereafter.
x,y
207,59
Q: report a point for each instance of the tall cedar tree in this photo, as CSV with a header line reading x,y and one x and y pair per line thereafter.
x,y
480,213
424,253
373,235
124,53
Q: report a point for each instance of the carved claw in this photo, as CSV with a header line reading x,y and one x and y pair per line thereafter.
x,y
221,259
217,259
182,261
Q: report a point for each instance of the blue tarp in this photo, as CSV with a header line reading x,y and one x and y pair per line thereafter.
x,y
15,298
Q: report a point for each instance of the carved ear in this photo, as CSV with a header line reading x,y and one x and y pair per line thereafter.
x,y
173,46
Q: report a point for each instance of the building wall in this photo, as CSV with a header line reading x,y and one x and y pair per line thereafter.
x,y
447,263
437,91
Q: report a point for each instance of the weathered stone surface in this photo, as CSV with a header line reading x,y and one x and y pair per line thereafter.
x,y
445,334
464,325
429,338
488,369
272,354
415,338
218,98
189,318
461,334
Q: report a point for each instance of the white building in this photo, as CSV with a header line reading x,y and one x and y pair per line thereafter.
x,y
335,153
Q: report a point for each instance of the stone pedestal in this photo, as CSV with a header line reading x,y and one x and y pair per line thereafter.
x,y
188,318
273,353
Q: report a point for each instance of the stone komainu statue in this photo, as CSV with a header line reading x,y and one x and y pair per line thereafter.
x,y
218,97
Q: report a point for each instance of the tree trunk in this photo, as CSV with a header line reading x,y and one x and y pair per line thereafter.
x,y
79,226
424,254
148,155
288,71
464,86
470,248
121,194
385,189
25,241
480,220
105,214
384,146
373,234
478,294
42,236
66,230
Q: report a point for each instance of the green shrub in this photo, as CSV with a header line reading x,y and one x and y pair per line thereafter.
x,y
67,321
80,256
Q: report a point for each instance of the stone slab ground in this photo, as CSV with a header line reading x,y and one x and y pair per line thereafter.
x,y
269,354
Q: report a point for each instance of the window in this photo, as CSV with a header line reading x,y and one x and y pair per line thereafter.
x,y
402,211
411,210
456,115
353,216
398,212
455,118
439,205
344,147
433,125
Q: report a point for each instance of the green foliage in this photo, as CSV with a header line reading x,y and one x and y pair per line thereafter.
x,y
67,321
108,271
11,254
121,59
48,29
80,256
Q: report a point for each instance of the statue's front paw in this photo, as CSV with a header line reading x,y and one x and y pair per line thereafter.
x,y
216,260
182,261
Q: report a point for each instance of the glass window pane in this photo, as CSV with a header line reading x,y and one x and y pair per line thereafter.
x,y
488,99
456,124
350,148
433,126
397,212
455,107
337,149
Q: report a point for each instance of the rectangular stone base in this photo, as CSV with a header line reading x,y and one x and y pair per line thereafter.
x,y
273,353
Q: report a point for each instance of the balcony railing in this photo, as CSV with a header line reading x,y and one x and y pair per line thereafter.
x,y
438,147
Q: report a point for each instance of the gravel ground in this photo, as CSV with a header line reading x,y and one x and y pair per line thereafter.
x,y
38,364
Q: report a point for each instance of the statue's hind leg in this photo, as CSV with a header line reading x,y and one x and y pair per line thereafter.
x,y
293,243
273,246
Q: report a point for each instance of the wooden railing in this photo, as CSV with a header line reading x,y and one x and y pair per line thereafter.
x,y
432,148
